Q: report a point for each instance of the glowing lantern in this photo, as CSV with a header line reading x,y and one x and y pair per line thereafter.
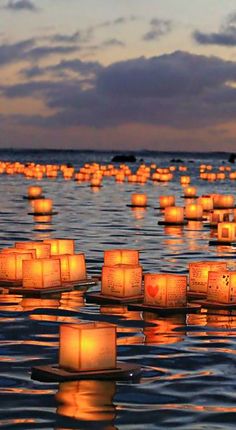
x,y
34,192
174,215
226,231
96,182
11,265
43,206
185,180
190,191
122,280
165,290
193,211
61,246
73,267
166,201
43,250
86,347
221,287
113,257
218,215
41,273
198,274
206,202
139,200
223,201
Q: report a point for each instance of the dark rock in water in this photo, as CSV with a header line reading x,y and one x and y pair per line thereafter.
x,y
176,160
232,158
123,158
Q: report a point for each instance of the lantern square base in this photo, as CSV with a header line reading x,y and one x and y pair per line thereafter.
x,y
138,207
189,197
172,223
222,243
52,373
215,305
195,219
101,298
9,284
88,282
208,225
40,292
193,295
42,213
190,308
33,198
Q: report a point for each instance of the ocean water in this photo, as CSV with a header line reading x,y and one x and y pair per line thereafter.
x,y
188,378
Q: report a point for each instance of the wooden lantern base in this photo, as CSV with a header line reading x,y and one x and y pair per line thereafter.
x,y
138,207
214,305
195,219
88,282
172,223
222,243
42,213
40,292
193,295
10,284
101,298
189,308
189,197
52,373
33,198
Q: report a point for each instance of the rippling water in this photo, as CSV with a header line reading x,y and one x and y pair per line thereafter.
x,y
189,363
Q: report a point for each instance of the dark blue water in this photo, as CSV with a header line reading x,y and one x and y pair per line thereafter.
x,y
189,364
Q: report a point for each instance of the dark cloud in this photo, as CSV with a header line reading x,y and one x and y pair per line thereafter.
x,y
179,90
21,5
112,42
158,28
84,68
226,36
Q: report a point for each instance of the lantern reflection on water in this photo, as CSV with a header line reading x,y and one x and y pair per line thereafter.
x,y
221,287
86,347
41,273
164,331
122,280
198,274
165,290
87,400
113,257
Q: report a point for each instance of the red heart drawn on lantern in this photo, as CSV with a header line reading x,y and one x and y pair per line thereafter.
x,y
152,290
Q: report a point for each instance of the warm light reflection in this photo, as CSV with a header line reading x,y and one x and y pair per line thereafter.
x,y
164,331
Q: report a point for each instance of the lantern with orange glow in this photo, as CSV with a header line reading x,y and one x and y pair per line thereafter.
x,y
218,215
11,265
185,180
34,192
41,273
174,215
96,182
190,192
206,202
193,211
73,267
43,250
166,201
165,290
122,281
43,206
87,400
223,201
221,287
139,200
87,347
112,257
226,232
198,274
61,246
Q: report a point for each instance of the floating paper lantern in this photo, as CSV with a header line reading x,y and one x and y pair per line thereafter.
x,y
96,182
226,232
43,250
139,200
122,280
166,201
190,191
218,215
221,287
113,257
193,211
34,192
31,252
43,206
165,290
41,273
198,274
174,215
87,347
61,246
223,201
73,267
185,180
11,265
206,202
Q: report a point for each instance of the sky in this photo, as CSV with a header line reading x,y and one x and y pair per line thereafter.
x,y
118,74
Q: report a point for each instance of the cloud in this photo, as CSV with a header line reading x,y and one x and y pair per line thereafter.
x,y
178,90
83,68
21,5
226,36
112,42
158,28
